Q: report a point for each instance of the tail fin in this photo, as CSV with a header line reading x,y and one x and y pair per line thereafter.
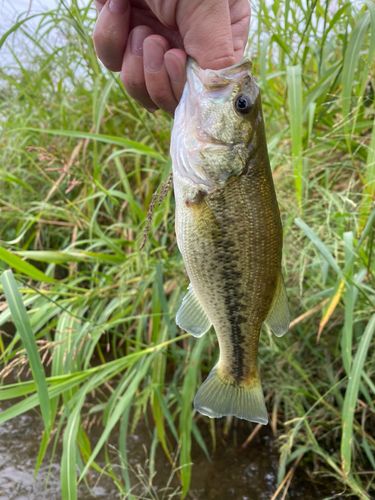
x,y
218,398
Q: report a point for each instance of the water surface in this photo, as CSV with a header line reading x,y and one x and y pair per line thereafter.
x,y
233,472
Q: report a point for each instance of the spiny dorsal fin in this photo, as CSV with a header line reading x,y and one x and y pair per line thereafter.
x,y
278,317
191,316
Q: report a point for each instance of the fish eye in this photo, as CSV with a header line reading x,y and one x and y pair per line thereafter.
x,y
242,104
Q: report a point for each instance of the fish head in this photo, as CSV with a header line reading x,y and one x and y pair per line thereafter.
x,y
222,104
216,123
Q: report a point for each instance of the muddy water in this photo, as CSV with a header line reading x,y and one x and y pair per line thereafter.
x,y
19,444
233,472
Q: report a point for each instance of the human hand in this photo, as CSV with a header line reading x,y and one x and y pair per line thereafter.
x,y
149,41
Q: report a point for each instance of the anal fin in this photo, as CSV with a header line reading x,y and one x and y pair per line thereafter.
x,y
191,316
278,317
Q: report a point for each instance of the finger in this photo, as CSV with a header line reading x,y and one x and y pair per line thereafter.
x,y
240,20
206,30
148,17
99,4
111,33
175,63
156,76
132,74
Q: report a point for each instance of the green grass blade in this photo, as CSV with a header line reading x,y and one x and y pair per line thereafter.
x,y
131,146
123,434
12,391
351,60
349,298
22,323
68,473
186,416
61,257
43,447
16,26
24,267
368,181
319,245
295,107
351,396
119,409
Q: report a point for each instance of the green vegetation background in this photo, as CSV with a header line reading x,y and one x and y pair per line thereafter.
x,y
94,313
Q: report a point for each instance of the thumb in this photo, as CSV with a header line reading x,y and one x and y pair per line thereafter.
x,y
206,31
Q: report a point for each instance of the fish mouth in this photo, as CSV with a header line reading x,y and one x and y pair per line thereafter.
x,y
216,78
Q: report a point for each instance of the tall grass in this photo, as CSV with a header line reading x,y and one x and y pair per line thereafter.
x,y
94,314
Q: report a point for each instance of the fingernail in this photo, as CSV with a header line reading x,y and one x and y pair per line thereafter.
x,y
118,6
136,42
153,60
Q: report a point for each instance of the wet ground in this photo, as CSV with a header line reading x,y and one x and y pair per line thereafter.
x,y
233,473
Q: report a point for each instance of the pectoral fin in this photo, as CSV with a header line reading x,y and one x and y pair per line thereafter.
x,y
278,318
191,316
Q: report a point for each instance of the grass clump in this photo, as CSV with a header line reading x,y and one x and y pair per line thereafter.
x,y
80,163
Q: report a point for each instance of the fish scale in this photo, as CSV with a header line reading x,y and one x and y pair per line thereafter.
x,y
229,233
232,254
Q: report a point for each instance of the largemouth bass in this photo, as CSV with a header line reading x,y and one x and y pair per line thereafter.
x,y
228,231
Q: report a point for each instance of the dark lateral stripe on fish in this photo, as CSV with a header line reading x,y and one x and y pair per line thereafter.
x,y
233,298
